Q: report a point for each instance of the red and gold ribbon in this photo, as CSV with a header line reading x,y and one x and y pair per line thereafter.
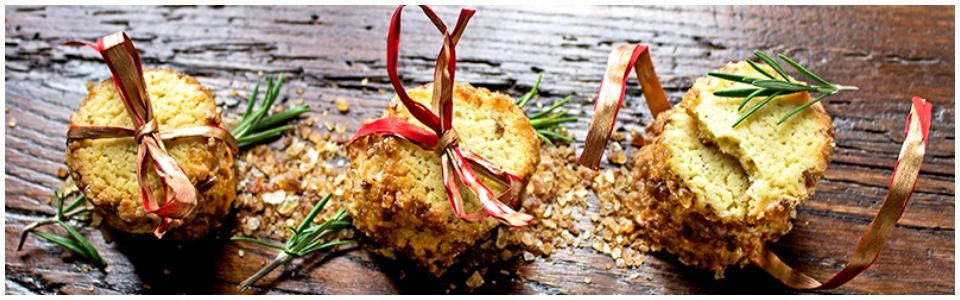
x,y
902,181
622,59
179,194
458,166
905,174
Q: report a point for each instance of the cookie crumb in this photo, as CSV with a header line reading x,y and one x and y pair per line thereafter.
x,y
343,106
475,280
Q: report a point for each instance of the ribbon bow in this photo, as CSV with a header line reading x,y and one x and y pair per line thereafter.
x,y
457,165
179,194
610,97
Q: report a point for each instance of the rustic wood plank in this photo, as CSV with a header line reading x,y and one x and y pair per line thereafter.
x,y
891,53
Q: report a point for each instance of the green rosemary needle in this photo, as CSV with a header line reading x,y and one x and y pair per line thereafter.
x,y
255,126
545,122
75,241
771,86
306,239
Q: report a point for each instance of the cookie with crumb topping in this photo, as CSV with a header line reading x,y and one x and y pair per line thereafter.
x,y
714,194
398,199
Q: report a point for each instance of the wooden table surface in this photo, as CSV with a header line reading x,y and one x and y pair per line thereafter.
x,y
891,53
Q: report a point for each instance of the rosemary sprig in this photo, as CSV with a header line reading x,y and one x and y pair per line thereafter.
x,y
255,126
306,240
771,86
545,122
75,241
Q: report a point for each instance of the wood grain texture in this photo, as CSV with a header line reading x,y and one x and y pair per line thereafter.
x,y
891,53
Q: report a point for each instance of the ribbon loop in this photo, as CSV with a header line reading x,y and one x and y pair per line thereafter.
x,y
622,59
180,195
443,140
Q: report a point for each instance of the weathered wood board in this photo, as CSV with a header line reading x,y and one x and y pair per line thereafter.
x,y
891,53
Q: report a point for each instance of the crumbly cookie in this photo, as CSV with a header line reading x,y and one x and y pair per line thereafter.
x,y
106,169
714,195
398,199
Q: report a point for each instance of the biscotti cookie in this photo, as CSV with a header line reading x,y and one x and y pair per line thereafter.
x,y
398,199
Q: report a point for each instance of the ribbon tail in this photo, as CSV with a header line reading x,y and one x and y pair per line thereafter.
x,y
181,194
453,192
490,202
512,182
867,251
95,47
165,224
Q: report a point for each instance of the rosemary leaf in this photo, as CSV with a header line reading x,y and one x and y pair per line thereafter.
x,y
755,108
256,138
747,99
555,135
532,93
804,71
783,85
253,100
273,90
282,117
62,242
58,201
256,241
313,213
773,64
740,92
256,126
76,203
801,108
88,250
733,77
759,69
543,137
553,107
328,245
549,122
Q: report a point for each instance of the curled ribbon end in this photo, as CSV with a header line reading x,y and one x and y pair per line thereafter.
x,y
924,111
516,219
161,230
81,44
589,162
865,254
